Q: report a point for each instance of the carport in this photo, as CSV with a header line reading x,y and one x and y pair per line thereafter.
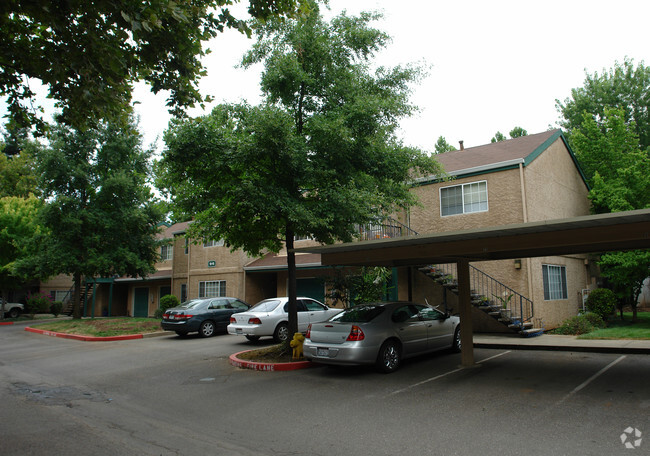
x,y
587,234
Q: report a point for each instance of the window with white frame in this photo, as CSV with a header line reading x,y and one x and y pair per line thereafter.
x,y
218,243
554,282
464,198
211,289
166,252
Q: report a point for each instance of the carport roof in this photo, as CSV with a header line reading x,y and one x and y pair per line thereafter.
x,y
586,234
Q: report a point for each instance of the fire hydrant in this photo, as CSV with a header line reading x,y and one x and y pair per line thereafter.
x,y
296,344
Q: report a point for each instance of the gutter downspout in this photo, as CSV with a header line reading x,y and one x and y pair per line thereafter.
x,y
524,205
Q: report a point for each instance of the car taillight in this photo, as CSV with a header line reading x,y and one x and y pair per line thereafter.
x,y
232,320
254,321
356,334
166,315
308,335
181,317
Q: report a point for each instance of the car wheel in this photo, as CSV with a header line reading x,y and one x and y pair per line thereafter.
x,y
253,338
13,313
389,357
281,333
207,329
181,333
456,346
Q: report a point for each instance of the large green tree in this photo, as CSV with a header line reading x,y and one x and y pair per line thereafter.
x,y
624,86
17,163
618,171
89,54
99,211
318,157
18,227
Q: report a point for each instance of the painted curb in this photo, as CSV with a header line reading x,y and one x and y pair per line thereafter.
x,y
270,367
83,338
6,323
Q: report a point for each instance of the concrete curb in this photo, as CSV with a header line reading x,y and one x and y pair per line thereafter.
x,y
83,338
270,367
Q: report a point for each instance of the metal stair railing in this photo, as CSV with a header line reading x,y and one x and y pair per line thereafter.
x,y
389,228
492,292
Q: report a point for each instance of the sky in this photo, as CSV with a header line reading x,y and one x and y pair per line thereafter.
x,y
492,65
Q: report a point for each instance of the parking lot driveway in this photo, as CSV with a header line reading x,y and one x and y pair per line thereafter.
x,y
168,396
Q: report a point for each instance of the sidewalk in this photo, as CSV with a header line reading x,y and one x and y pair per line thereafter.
x,y
560,343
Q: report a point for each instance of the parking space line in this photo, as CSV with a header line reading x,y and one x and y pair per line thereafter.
x,y
591,379
437,377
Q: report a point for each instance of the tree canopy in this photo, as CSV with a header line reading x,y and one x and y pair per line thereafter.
x,y
99,214
618,171
443,146
89,54
318,157
18,227
624,87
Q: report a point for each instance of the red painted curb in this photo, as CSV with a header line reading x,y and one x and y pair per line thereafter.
x,y
271,367
6,323
83,338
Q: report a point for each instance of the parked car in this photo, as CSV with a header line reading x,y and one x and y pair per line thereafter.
x,y
270,317
382,334
12,309
205,316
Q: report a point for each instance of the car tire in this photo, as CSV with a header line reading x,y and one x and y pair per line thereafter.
x,y
389,357
207,329
281,333
456,344
181,333
253,338
13,313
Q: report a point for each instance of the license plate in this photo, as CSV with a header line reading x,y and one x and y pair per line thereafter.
x,y
239,331
323,351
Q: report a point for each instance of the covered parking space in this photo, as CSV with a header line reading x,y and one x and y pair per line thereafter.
x,y
586,234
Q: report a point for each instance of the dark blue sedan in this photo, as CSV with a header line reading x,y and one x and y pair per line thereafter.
x,y
205,316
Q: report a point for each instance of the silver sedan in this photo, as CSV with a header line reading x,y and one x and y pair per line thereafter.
x,y
382,334
270,318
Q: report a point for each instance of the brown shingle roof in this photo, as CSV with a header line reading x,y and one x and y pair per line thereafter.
x,y
519,148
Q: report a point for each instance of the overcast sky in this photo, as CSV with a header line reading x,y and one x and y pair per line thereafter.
x,y
493,64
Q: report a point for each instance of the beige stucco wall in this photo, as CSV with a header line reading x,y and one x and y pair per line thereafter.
x,y
554,187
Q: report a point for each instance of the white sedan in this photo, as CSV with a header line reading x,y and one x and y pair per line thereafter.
x,y
270,318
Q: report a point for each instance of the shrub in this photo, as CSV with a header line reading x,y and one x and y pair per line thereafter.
x,y
580,324
56,307
166,302
601,301
38,303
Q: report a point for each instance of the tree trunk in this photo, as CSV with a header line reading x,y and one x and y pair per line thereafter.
x,y
291,286
76,310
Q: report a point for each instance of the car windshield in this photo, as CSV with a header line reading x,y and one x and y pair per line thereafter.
x,y
358,314
268,305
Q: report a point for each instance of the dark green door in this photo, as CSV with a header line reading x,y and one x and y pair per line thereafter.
x,y
311,288
141,302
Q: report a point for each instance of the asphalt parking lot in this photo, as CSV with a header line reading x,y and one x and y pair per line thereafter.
x,y
172,396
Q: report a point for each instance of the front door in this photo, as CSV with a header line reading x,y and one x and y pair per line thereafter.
x,y
141,302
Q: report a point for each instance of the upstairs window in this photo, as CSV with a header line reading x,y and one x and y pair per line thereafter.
x,y
218,243
166,252
464,199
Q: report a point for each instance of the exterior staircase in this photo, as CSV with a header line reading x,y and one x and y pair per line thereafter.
x,y
500,302
68,302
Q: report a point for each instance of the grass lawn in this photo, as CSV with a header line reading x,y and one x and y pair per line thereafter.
x,y
617,329
103,327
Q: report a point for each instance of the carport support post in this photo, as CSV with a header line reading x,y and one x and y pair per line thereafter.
x,y
465,304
